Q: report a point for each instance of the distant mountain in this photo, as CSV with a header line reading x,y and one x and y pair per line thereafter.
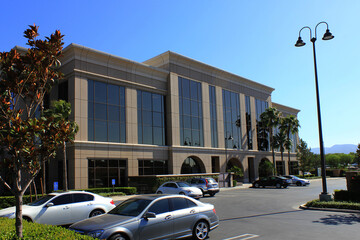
x,y
340,148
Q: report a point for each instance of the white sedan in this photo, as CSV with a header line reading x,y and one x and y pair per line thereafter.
x,y
63,208
179,188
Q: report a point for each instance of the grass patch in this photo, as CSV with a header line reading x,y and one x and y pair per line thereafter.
x,y
334,204
32,231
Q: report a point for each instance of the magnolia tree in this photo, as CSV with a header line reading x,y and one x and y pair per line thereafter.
x,y
27,136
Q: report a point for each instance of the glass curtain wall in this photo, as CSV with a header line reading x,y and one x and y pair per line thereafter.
x,y
151,118
248,123
191,114
262,136
106,112
231,106
213,118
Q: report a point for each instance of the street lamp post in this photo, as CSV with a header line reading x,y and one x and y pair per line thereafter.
x,y
227,137
324,196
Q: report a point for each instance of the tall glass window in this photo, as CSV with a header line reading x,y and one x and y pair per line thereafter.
x,y
106,112
153,167
191,114
213,118
248,123
262,136
151,118
231,106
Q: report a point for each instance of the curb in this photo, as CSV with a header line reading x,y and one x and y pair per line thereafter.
x,y
329,209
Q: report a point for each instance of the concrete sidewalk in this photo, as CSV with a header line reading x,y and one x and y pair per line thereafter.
x,y
243,186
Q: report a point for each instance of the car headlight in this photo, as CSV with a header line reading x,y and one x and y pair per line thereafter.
x,y
95,234
8,215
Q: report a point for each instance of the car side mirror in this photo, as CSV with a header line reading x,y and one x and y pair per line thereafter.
x,y
149,215
50,204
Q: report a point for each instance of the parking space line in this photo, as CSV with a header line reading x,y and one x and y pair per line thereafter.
x,y
243,237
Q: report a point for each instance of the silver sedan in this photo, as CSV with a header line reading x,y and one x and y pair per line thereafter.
x,y
152,217
179,188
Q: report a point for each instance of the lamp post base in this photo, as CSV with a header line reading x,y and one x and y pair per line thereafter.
x,y
325,197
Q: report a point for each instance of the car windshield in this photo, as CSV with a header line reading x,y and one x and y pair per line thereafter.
x,y
42,200
183,184
131,207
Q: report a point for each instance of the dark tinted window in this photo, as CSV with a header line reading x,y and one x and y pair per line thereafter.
x,y
63,199
179,203
41,200
191,203
130,207
160,206
83,197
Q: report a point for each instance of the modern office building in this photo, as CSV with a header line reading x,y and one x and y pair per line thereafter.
x,y
168,115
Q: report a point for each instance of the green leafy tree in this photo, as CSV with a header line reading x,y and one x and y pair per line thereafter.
x,y
270,119
305,157
63,129
290,125
26,135
333,160
266,168
358,155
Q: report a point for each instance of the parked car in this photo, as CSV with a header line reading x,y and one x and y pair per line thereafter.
x,y
207,185
276,181
297,181
179,188
152,217
63,208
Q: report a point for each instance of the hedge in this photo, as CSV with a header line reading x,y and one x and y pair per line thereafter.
x,y
37,231
333,204
344,195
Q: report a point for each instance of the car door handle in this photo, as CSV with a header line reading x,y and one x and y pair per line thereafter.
x,y
89,204
168,217
192,211
65,208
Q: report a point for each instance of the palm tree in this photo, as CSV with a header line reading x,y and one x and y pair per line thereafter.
x,y
270,119
290,125
280,142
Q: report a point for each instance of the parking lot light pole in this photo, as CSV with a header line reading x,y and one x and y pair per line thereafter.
x,y
324,196
227,137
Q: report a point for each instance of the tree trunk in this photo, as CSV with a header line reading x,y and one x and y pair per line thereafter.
x,y
44,180
289,161
19,223
273,151
283,162
65,183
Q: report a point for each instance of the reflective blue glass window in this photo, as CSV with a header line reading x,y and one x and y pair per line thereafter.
x,y
106,119
231,111
151,115
191,117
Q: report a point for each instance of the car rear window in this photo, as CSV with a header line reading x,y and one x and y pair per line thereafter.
x,y
211,180
83,197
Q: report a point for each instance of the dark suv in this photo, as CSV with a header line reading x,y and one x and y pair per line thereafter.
x,y
207,185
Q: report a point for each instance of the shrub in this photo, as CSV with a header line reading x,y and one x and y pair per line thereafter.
x,y
344,195
37,231
234,183
333,204
126,190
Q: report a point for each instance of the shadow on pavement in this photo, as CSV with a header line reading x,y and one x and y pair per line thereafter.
x,y
340,219
258,215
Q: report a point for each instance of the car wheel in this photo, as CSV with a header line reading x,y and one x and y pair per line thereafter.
x,y
285,186
278,185
256,185
201,230
159,192
118,236
202,192
96,212
298,184
181,193
212,194
27,219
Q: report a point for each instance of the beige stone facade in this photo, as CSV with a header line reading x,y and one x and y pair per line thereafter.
x,y
158,75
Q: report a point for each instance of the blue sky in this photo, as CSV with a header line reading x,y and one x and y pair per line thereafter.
x,y
254,39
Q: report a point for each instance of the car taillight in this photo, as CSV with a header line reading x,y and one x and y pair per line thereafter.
x,y
206,182
112,202
214,210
